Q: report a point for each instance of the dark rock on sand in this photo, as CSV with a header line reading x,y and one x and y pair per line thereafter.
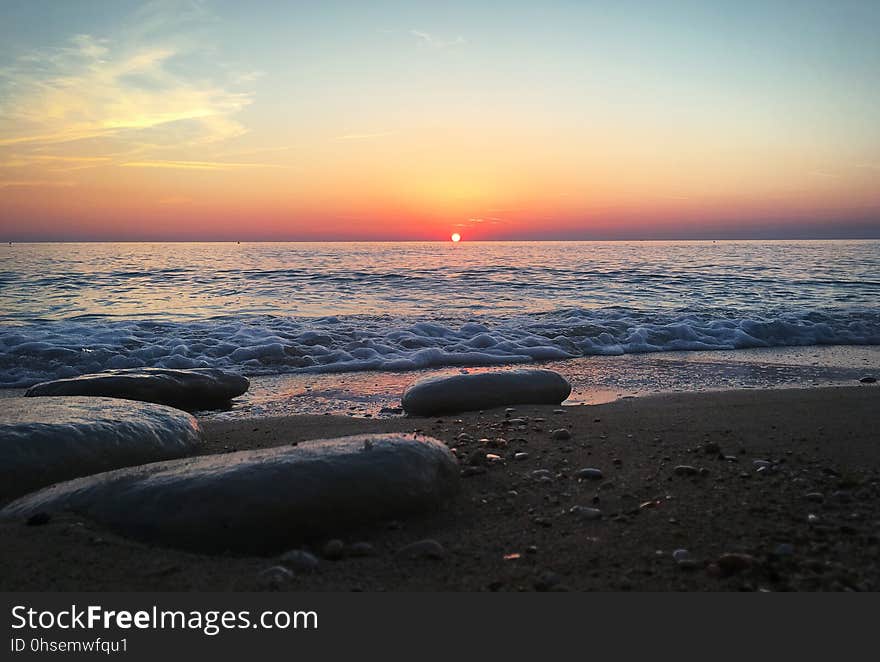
x,y
260,501
733,563
300,560
868,380
274,577
686,470
46,440
422,549
484,390
198,388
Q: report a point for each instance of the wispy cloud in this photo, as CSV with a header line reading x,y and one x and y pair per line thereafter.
x,y
434,41
196,165
22,183
363,136
142,87
474,222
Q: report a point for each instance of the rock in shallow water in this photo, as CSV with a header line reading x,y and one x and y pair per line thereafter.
x,y
484,390
198,388
46,440
260,501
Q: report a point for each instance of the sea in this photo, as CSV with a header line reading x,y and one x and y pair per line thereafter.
x,y
303,314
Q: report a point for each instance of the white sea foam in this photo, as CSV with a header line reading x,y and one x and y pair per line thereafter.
x,y
270,345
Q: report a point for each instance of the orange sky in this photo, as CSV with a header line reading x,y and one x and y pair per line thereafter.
x,y
175,121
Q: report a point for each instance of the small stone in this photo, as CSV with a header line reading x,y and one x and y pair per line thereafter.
x,y
492,458
299,559
333,549
560,434
762,464
680,555
38,519
532,549
547,580
519,457
422,549
814,496
362,549
812,519
541,475
686,470
584,513
868,380
274,577
589,473
733,563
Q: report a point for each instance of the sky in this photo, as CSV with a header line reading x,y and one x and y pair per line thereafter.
x,y
260,120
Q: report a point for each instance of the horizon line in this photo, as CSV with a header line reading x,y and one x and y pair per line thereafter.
x,y
875,237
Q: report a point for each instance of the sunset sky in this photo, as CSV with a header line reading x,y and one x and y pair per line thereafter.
x,y
413,120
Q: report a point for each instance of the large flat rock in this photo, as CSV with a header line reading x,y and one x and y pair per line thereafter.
x,y
484,390
46,440
192,389
260,501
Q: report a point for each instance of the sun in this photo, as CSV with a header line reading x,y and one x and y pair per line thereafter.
x,y
456,237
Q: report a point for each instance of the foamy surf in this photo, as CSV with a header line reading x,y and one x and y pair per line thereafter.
x,y
265,345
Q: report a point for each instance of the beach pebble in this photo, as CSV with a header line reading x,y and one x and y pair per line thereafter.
x,y
814,496
193,389
484,390
299,559
588,473
547,580
868,380
422,549
561,434
686,470
733,563
585,513
274,577
260,501
48,440
519,457
681,555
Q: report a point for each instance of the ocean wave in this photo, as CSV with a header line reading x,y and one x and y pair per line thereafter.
x,y
254,345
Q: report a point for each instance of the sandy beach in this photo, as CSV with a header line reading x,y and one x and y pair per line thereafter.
x,y
784,482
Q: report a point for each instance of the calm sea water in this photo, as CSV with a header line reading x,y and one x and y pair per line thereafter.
x,y
264,308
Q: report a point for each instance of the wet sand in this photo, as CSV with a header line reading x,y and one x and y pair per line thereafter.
x,y
510,531
594,379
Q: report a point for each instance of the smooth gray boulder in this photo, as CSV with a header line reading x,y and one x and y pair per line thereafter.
x,y
46,440
196,388
260,501
484,390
